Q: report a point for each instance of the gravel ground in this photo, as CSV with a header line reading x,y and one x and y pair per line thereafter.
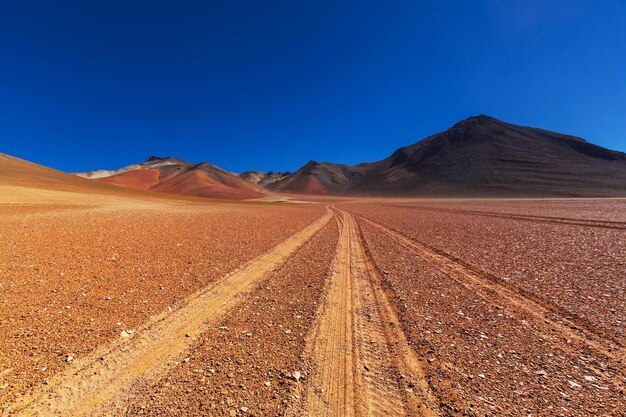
x,y
607,210
247,362
74,277
578,269
490,359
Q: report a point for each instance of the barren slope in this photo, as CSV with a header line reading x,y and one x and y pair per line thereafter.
x,y
26,182
477,157
174,176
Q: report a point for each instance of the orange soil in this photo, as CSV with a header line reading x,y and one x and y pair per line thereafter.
x,y
197,183
141,179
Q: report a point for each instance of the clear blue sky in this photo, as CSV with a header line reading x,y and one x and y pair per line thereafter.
x,y
269,85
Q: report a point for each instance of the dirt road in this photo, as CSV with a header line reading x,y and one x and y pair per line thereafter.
x,y
364,365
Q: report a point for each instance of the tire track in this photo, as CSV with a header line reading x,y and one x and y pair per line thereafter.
x,y
561,329
359,347
107,380
603,224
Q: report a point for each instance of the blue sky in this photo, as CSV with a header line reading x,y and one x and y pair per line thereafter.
x,y
269,85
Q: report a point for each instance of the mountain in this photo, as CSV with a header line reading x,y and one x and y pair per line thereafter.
x,y
477,157
175,176
318,178
263,179
22,181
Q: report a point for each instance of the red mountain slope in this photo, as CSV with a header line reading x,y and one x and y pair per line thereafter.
x,y
170,175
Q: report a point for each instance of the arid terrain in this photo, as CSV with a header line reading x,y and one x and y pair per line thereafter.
x,y
313,208
351,308
130,302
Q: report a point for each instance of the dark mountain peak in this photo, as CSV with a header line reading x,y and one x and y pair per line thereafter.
x,y
479,120
311,164
160,160
154,158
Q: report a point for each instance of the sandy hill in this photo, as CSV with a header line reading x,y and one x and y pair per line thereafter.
x,y
26,182
477,157
174,176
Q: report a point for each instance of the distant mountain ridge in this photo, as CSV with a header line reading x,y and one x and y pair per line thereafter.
x,y
263,178
477,157
175,176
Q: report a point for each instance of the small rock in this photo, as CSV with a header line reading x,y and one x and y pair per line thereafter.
x,y
297,375
244,409
267,383
187,335
573,384
69,359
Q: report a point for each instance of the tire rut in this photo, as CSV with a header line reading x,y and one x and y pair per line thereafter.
x,y
602,224
358,347
107,380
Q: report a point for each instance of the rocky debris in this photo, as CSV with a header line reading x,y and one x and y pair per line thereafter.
x,y
573,384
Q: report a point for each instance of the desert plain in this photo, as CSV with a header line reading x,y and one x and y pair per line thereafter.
x,y
136,303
